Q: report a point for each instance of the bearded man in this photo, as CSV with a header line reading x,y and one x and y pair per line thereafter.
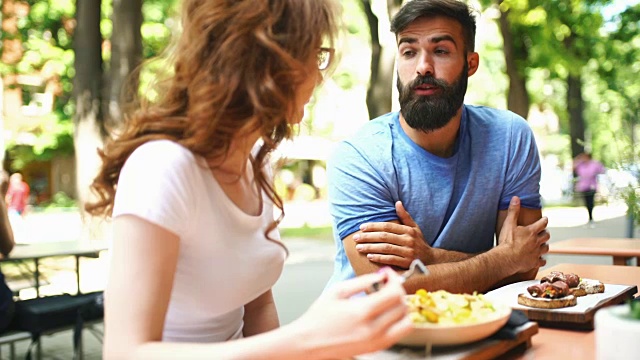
x,y
454,185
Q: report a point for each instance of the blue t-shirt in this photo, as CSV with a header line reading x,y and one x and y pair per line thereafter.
x,y
454,200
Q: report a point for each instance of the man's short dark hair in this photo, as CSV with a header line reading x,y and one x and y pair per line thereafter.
x,y
454,9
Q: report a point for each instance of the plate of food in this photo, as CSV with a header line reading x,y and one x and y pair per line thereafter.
x,y
442,318
559,290
562,298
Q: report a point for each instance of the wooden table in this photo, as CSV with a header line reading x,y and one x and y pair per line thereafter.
x,y
575,344
549,343
621,249
39,251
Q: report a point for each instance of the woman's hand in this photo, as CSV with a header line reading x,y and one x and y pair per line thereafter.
x,y
338,326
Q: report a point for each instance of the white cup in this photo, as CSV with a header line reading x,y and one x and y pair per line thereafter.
x,y
617,334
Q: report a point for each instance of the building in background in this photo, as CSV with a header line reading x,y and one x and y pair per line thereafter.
x,y
27,107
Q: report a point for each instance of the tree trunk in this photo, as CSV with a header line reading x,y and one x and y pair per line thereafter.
x,y
632,219
12,52
87,87
575,106
8,21
376,50
2,144
518,97
126,55
379,92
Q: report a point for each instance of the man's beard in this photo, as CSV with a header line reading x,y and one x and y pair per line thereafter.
x,y
429,113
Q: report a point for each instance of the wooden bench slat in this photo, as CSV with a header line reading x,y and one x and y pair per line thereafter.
x,y
13,336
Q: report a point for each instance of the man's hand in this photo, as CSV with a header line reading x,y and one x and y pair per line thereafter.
x,y
394,244
526,244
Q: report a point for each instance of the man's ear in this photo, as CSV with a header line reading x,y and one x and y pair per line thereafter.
x,y
473,60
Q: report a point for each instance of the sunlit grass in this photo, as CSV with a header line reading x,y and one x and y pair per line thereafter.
x,y
308,232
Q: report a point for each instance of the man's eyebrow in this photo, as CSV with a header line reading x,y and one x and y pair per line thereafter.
x,y
440,38
409,40
435,39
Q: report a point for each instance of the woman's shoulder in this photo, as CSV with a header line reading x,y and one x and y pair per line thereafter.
x,y
162,151
160,157
163,148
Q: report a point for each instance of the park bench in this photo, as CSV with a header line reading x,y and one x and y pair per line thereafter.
x,y
10,338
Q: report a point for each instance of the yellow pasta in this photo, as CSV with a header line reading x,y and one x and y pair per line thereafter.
x,y
445,308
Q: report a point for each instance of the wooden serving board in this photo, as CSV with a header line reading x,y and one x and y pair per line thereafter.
x,y
579,316
489,348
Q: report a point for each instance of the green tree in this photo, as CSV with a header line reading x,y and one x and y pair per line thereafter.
x,y
618,66
515,54
126,55
80,53
379,91
88,89
37,43
555,35
575,37
125,29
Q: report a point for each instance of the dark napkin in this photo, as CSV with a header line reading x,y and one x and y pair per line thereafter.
x,y
510,330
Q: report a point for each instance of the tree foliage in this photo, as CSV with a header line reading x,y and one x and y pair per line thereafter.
x,y
553,42
618,66
45,29
558,46
46,33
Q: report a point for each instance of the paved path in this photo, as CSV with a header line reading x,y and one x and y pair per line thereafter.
x,y
309,265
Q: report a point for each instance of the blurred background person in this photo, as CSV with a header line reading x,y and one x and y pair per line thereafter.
x,y
587,170
16,199
17,196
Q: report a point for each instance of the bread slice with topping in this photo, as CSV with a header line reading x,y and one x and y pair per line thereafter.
x,y
545,303
588,286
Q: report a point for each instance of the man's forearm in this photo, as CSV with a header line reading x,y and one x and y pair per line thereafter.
x,y
441,256
477,273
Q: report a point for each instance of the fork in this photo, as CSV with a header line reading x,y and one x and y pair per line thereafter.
x,y
416,266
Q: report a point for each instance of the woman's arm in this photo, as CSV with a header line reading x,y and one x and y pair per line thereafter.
x,y
6,233
335,326
144,259
260,315
143,263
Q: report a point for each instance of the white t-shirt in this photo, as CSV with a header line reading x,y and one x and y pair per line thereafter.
x,y
225,260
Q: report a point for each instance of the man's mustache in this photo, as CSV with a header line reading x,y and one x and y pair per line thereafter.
x,y
427,80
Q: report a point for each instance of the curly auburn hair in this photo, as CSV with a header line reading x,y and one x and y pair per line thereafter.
x,y
234,62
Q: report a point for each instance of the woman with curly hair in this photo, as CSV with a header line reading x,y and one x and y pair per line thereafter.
x,y
196,249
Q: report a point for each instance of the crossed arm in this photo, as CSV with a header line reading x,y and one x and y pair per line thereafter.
x,y
521,243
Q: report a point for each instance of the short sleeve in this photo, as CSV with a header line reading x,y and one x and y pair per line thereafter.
x,y
155,185
358,193
523,171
